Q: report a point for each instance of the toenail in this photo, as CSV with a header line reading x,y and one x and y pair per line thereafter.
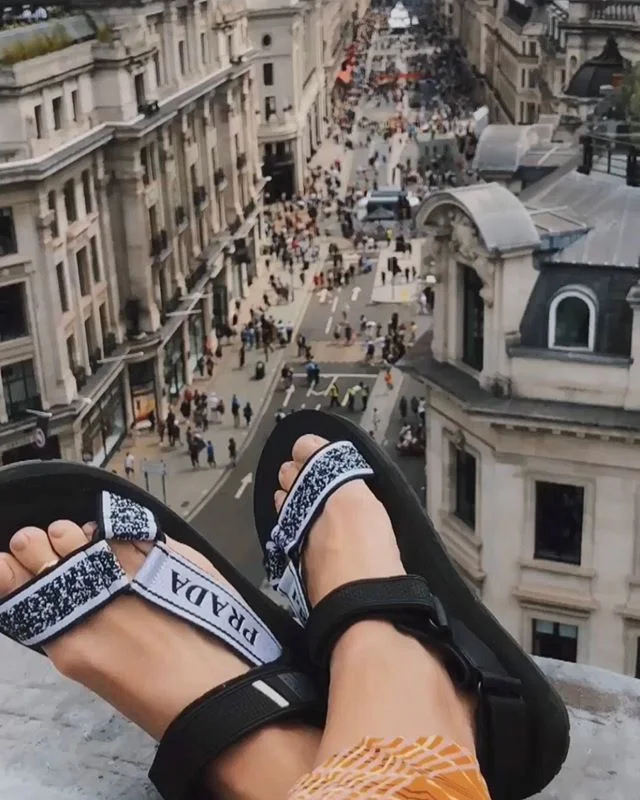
x,y
56,531
19,541
7,575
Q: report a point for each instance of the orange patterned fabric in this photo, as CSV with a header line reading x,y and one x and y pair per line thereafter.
x,y
427,769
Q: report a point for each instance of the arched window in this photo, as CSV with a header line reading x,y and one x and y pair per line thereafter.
x,y
572,319
266,40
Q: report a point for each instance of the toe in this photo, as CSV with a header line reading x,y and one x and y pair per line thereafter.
x,y
278,498
306,446
287,474
32,548
66,537
12,574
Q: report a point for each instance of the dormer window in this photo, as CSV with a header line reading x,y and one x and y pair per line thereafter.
x,y
572,319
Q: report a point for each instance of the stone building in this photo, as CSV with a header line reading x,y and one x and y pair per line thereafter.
x,y
526,53
533,376
130,198
289,72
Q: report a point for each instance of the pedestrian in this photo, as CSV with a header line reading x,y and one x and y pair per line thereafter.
x,y
376,420
211,454
388,378
415,405
383,275
248,413
242,355
365,391
403,407
129,465
351,400
235,411
334,396
233,452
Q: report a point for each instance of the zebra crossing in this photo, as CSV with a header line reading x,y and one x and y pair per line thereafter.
x,y
300,396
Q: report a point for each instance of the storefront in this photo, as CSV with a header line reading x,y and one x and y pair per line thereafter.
x,y
220,303
174,365
142,380
197,334
105,426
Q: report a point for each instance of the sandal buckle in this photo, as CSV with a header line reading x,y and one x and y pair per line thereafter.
x,y
439,619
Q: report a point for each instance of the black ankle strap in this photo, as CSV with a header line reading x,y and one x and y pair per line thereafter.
x,y
222,717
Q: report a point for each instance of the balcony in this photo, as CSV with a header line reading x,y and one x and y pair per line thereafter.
x,y
180,217
194,277
159,245
219,178
249,208
241,161
603,706
200,197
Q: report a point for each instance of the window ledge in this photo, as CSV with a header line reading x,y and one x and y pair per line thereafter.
x,y
557,354
461,527
557,567
547,598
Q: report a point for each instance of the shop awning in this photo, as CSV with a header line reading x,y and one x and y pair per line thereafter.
x,y
345,76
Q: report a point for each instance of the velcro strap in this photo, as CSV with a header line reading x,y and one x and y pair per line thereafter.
x,y
170,581
221,718
401,600
51,603
326,471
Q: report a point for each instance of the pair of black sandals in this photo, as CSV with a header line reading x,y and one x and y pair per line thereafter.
x,y
522,726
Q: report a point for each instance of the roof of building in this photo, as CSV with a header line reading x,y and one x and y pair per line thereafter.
x,y
61,742
502,221
610,288
608,208
506,148
77,26
597,72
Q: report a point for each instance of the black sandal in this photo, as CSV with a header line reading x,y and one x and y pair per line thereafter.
x,y
522,726
277,688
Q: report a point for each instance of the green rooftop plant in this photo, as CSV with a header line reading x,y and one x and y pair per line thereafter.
x,y
104,34
34,46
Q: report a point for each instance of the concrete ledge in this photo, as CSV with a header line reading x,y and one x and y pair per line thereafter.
x,y
57,741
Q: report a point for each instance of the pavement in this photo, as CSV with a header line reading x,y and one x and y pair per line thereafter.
x,y
397,289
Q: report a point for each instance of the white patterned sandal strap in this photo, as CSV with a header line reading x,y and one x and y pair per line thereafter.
x,y
78,586
324,473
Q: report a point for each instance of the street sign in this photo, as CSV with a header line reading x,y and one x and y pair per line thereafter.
x,y
154,468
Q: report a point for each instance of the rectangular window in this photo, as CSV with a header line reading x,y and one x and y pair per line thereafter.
x,y
558,522
555,640
139,88
75,111
269,107
62,287
13,312
83,272
69,191
144,161
8,241
532,79
86,190
71,352
56,105
156,67
230,52
182,58
472,320
203,47
533,50
563,77
104,324
531,113
20,389
37,116
465,486
90,337
95,260
53,206
638,657
267,74
523,78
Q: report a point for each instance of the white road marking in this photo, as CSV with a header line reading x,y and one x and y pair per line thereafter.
x,y
304,405
287,396
329,324
334,305
243,485
354,294
319,406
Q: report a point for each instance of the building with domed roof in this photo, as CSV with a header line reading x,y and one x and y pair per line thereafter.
x,y
532,373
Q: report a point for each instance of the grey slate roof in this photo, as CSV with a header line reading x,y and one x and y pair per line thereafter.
x,y
502,221
609,207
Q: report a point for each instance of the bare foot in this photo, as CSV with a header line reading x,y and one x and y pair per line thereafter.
x,y
129,652
353,534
